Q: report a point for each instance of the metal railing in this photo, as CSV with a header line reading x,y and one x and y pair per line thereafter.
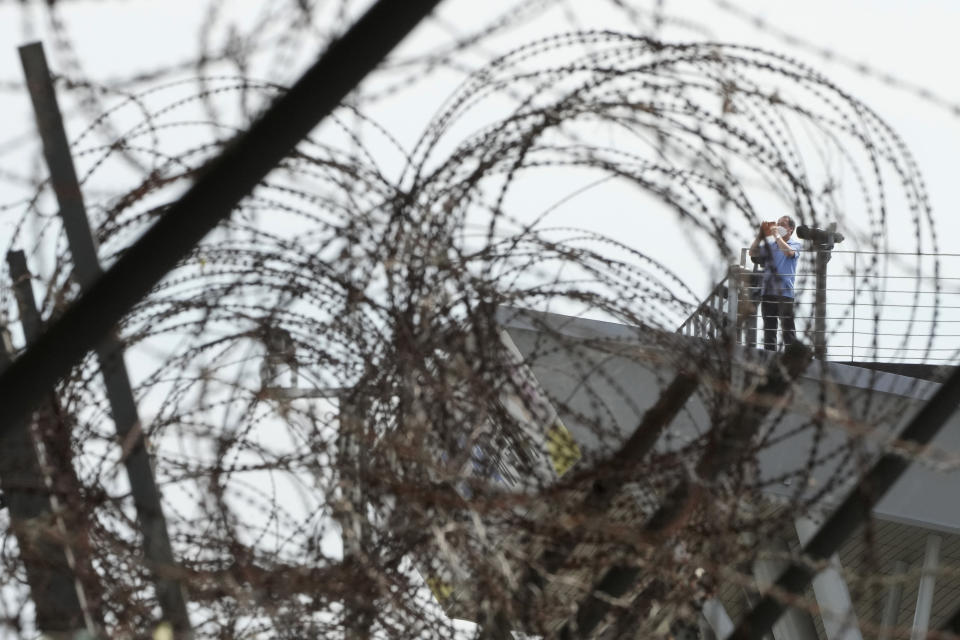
x,y
878,307
718,310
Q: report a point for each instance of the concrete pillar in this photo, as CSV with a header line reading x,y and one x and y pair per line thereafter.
x,y
717,618
931,562
891,608
794,624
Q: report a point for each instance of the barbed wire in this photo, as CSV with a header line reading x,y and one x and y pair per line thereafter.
x,y
403,385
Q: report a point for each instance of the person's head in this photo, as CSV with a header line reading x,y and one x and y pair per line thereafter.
x,y
787,223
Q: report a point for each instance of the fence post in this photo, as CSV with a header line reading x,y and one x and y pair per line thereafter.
x,y
55,457
146,495
53,586
360,606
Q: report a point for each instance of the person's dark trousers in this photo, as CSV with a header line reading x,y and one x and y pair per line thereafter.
x,y
775,308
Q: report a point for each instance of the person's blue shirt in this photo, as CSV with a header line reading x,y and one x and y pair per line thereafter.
x,y
781,271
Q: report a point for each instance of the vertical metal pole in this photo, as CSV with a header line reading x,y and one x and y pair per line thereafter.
x,y
754,298
735,334
928,582
820,305
733,303
853,313
349,453
54,455
23,292
87,269
360,612
33,523
717,313
891,608
708,317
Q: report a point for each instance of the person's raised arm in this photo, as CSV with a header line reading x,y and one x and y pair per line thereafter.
x,y
783,246
762,232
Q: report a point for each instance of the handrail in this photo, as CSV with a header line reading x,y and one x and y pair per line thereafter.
x,y
880,312
718,311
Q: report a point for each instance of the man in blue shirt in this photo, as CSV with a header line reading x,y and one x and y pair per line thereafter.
x,y
781,254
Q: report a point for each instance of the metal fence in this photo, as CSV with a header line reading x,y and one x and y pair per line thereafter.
x,y
878,307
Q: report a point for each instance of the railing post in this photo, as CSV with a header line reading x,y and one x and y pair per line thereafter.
x,y
823,243
853,314
751,289
820,305
715,306
733,303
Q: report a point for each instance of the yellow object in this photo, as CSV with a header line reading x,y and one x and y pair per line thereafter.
x,y
562,448
163,632
441,590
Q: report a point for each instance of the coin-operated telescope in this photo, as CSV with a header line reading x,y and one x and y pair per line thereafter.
x,y
823,238
823,241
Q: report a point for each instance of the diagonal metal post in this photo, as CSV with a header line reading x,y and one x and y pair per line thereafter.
x,y
220,186
143,486
854,510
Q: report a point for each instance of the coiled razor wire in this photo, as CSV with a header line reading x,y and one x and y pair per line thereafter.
x,y
348,440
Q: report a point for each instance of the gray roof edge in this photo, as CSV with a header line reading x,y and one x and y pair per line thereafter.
x,y
590,329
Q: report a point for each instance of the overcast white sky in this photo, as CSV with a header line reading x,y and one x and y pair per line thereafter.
x,y
913,42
